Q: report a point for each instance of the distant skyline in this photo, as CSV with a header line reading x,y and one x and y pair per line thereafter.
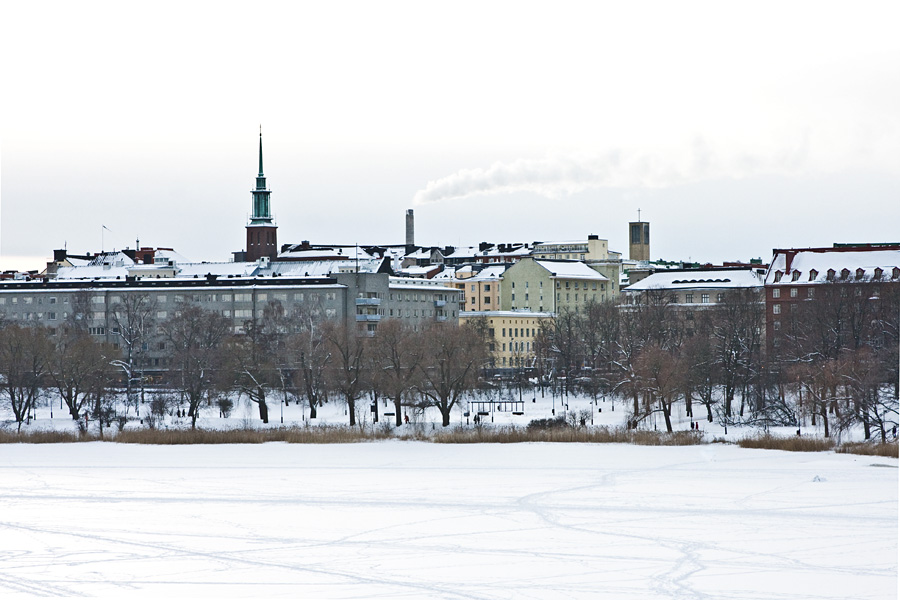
x,y
735,127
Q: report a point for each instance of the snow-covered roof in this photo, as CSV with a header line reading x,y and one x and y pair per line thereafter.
x,y
492,272
811,265
505,313
415,271
698,279
324,253
570,270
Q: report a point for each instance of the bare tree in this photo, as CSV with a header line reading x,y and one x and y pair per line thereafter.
x,y
660,373
347,368
254,360
452,357
80,369
134,320
308,350
396,357
196,337
25,354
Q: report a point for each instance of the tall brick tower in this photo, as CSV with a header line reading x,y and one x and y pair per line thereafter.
x,y
262,233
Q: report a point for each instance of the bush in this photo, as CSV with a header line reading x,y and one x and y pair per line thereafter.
x,y
544,424
44,437
790,444
869,449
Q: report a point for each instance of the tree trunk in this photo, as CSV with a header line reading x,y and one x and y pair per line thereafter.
x,y
313,409
351,408
667,413
398,419
445,415
263,407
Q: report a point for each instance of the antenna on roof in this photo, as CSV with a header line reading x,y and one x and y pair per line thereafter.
x,y
639,210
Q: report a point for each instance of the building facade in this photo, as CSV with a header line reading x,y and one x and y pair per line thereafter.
x,y
552,286
511,335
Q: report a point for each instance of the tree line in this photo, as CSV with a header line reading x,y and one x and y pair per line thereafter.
x,y
295,356
834,360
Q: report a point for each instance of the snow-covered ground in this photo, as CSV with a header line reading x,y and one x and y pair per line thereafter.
x,y
598,412
421,520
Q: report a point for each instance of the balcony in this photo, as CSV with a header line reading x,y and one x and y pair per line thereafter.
x,y
441,318
440,303
368,301
368,317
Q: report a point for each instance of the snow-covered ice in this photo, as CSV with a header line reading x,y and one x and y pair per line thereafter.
x,y
420,520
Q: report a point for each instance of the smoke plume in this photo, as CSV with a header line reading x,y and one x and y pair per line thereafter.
x,y
557,176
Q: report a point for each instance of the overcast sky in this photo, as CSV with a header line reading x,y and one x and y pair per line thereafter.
x,y
734,127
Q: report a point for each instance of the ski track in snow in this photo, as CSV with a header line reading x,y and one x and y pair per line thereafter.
x,y
413,520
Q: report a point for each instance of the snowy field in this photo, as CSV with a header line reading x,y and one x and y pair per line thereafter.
x,y
602,411
421,520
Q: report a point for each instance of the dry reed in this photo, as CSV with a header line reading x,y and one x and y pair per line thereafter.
x,y
790,444
889,450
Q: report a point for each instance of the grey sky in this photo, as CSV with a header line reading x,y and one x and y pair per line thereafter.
x,y
735,127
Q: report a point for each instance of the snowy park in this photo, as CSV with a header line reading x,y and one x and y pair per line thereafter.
x,y
421,520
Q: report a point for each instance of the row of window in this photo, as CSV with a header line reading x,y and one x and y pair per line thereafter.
x,y
794,292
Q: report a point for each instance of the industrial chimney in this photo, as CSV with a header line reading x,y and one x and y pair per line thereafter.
x,y
410,231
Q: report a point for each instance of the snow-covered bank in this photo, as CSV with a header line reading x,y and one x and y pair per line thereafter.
x,y
397,519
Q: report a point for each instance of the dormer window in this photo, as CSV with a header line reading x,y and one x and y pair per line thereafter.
x,y
878,272
895,273
813,274
860,273
778,275
795,276
830,276
845,273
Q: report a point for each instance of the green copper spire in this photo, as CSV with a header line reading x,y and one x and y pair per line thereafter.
x,y
261,213
260,152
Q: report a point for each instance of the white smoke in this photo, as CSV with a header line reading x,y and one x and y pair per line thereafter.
x,y
557,176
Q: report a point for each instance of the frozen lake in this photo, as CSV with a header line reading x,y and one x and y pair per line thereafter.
x,y
420,520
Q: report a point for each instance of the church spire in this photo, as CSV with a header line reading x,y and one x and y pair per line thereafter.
x,y
260,152
261,211
262,239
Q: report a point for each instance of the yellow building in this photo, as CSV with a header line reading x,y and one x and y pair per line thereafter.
x,y
511,334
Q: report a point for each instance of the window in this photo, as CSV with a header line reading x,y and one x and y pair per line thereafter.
x,y
51,316
776,325
776,293
776,309
810,293
793,292
704,298
720,297
52,300
487,287
161,314
689,298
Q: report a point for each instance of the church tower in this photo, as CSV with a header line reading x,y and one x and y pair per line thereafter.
x,y
262,237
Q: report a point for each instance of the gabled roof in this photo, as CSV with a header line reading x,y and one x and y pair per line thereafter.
x,y
699,279
570,270
812,264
